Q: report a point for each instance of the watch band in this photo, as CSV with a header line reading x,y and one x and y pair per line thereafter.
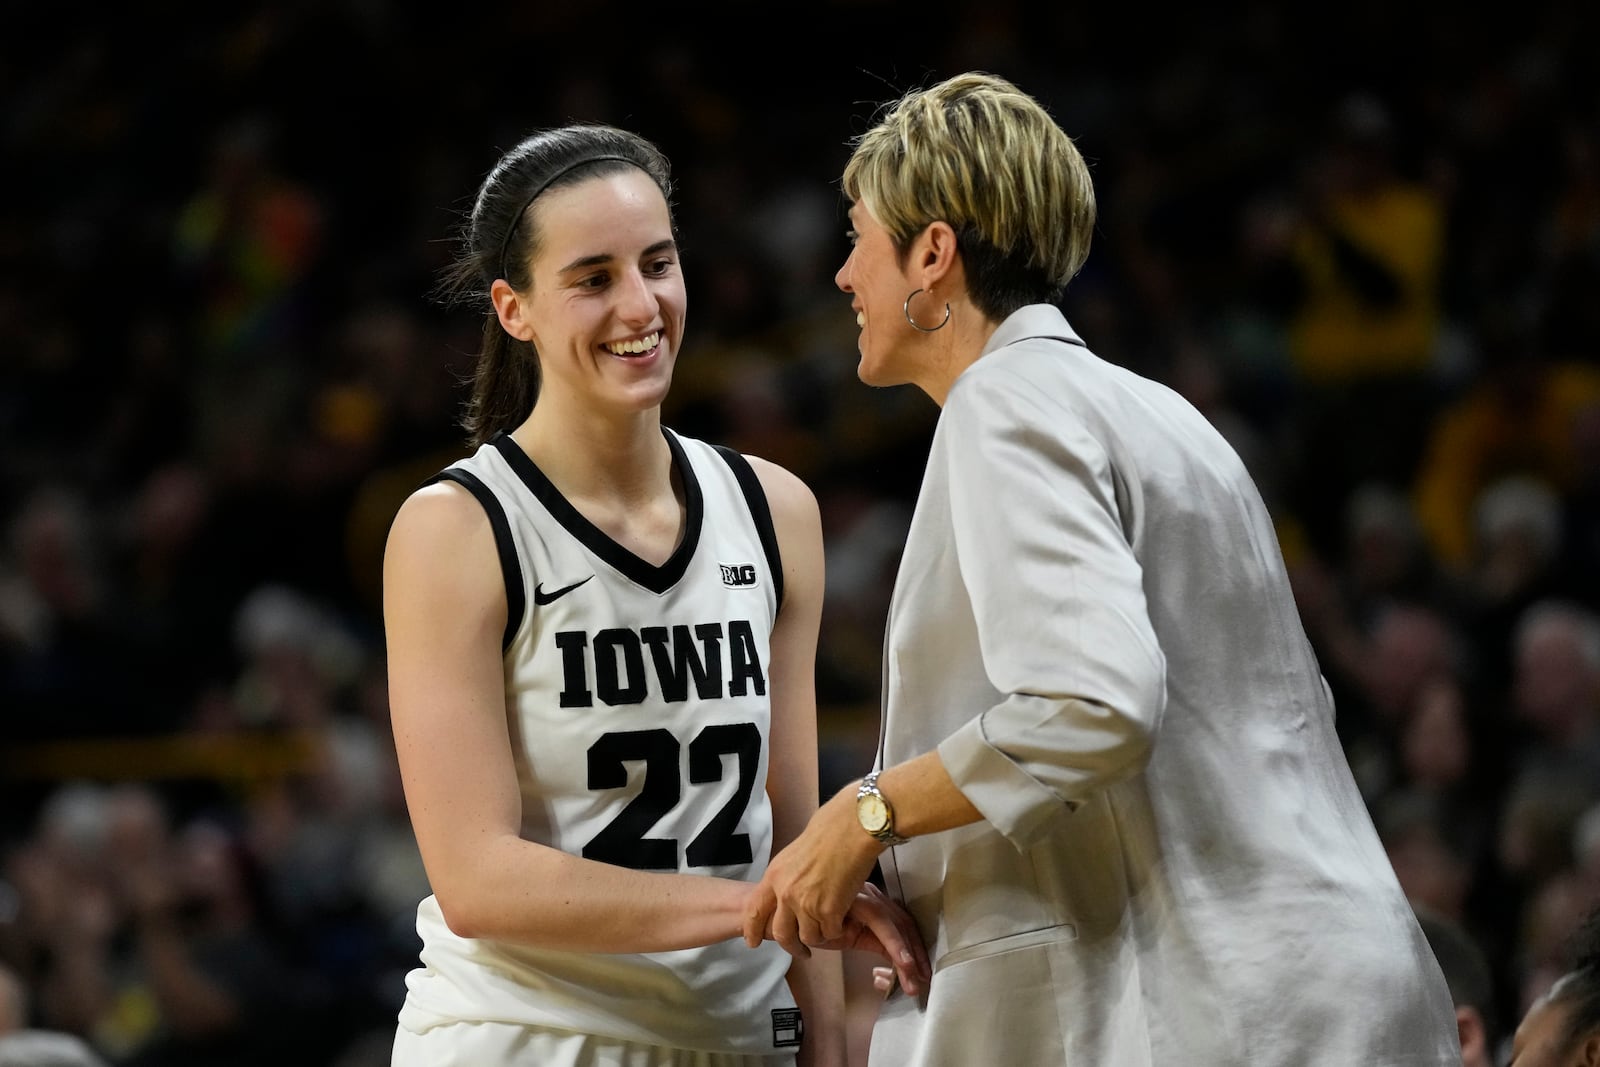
x,y
869,787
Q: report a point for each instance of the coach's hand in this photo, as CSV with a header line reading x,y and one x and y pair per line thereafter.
x,y
815,894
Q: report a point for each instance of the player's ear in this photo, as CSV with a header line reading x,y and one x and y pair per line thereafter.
x,y
511,309
1589,1051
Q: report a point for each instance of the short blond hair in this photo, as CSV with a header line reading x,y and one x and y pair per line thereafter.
x,y
982,155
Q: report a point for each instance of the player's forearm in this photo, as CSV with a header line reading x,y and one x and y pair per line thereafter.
x,y
540,896
817,984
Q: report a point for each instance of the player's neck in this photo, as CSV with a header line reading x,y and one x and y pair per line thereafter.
x,y
626,461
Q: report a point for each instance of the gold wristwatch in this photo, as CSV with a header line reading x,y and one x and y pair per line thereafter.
x,y
874,812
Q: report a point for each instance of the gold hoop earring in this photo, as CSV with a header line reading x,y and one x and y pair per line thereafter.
x,y
917,326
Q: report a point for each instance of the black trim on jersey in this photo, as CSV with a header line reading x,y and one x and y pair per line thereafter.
x,y
756,497
516,594
656,579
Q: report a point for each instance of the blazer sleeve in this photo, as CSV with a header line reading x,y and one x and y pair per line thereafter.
x,y
1058,600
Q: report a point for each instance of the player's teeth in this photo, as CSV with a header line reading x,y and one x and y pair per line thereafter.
x,y
861,318
644,344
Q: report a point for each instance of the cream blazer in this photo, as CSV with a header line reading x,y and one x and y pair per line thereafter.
x,y
1092,624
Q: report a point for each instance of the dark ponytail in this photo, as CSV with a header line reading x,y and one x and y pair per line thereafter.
x,y
1579,988
499,240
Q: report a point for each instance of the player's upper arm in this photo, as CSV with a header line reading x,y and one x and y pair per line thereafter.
x,y
797,520
444,620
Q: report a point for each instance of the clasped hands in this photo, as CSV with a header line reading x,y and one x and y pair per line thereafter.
x,y
815,895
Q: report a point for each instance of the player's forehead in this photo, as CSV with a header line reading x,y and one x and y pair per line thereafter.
x,y
616,214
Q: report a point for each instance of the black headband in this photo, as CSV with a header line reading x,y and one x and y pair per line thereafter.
x,y
505,242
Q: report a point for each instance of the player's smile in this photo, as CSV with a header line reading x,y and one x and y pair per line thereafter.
x,y
638,348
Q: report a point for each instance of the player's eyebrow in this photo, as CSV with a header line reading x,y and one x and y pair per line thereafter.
x,y
583,262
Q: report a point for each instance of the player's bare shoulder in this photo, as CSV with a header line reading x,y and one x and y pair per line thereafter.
x,y
440,510
789,497
797,521
440,529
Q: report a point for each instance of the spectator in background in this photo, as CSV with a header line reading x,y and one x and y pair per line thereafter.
x,y
1520,417
48,1048
1357,275
1406,648
1467,973
23,1045
61,661
153,941
1426,850
1517,555
14,1007
1556,693
169,609
244,244
1572,240
1517,543
1385,557
1445,756
1586,850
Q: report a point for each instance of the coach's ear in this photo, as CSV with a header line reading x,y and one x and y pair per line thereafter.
x,y
1589,1051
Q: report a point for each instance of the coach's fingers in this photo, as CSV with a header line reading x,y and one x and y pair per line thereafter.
x,y
814,933
831,926
786,932
758,915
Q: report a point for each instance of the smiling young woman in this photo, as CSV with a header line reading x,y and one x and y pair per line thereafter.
x,y
601,639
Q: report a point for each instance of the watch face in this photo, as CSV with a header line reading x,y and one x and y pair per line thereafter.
x,y
873,813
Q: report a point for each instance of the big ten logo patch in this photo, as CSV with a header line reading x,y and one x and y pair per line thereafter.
x,y
738,575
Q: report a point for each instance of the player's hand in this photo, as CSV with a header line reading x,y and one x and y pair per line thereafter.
x,y
878,924
884,980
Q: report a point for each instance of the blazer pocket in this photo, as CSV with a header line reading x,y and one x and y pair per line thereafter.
x,y
1046,935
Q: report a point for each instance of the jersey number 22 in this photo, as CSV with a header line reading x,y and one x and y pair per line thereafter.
x,y
624,841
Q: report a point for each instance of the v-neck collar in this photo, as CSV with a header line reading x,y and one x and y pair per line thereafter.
x,y
637,570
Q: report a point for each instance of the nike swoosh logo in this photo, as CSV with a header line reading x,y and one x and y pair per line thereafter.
x,y
541,597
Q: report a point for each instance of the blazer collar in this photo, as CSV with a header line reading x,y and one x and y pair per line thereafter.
x,y
1034,320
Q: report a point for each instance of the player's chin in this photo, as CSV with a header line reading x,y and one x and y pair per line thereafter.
x,y
650,392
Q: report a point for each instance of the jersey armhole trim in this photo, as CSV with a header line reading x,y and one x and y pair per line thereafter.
x,y
510,568
756,497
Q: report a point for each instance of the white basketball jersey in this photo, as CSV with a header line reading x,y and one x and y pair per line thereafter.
x,y
639,714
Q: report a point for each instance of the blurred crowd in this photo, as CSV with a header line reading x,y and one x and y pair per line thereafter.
x,y
1364,241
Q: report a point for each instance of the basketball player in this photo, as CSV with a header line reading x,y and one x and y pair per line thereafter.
x,y
601,638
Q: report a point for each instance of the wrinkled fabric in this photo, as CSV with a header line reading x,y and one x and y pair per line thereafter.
x,y
1093,624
